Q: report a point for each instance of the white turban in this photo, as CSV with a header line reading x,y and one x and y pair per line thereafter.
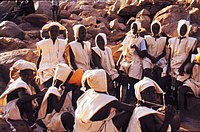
x,y
143,84
139,26
154,22
22,65
96,79
76,29
181,23
62,72
103,35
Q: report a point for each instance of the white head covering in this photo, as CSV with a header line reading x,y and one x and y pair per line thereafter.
x,y
143,84
103,35
62,72
76,29
181,23
139,26
154,22
96,79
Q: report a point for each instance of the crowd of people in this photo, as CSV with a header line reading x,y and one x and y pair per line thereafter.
x,y
76,87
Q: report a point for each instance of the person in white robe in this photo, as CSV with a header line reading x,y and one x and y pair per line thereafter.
x,y
21,93
56,112
96,110
144,117
51,52
130,61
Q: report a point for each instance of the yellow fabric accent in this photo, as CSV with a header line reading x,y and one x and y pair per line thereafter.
x,y
198,58
76,77
2,103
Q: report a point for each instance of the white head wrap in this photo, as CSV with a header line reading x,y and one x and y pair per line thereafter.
x,y
62,72
96,79
181,23
139,26
143,84
154,22
103,35
76,29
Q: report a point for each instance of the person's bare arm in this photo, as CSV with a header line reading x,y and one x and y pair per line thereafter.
x,y
72,59
39,59
96,60
121,106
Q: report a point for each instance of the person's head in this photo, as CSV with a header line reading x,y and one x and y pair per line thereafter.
x,y
156,27
135,27
183,28
54,32
101,40
27,70
146,90
79,32
95,79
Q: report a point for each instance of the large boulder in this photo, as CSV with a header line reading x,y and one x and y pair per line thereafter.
x,y
36,19
10,29
43,7
169,17
130,10
7,44
195,15
6,6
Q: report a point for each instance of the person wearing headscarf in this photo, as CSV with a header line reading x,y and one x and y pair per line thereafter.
x,y
192,84
144,117
56,112
21,93
181,49
154,60
130,61
51,52
96,110
103,59
80,49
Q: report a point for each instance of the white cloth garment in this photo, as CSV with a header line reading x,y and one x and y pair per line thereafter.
x,y
52,54
141,111
53,120
87,105
11,109
106,57
76,29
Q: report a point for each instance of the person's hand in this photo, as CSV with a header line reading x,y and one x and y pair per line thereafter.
x,y
133,46
169,113
153,60
181,71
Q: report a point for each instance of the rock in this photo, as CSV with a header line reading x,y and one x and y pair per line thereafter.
x,y
36,19
26,26
104,28
93,31
64,14
99,5
116,25
143,12
116,6
129,22
6,6
10,29
115,52
4,79
86,7
130,10
92,20
43,7
75,17
8,58
7,44
169,17
145,22
116,36
193,15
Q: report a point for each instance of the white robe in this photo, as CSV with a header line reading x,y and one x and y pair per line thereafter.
x,y
11,110
82,55
107,61
52,54
53,120
88,104
155,48
141,111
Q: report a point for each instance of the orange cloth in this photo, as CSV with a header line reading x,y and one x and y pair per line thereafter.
x,y
76,77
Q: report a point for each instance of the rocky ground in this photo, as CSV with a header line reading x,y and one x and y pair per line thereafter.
x,y
18,38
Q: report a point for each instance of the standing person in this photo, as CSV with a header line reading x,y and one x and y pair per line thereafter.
x,y
181,49
145,116
80,49
154,60
21,93
130,60
192,84
56,112
103,59
51,52
54,8
96,110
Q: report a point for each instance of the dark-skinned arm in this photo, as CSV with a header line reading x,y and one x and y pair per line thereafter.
x,y
25,97
122,106
96,60
163,54
72,59
39,59
169,60
190,67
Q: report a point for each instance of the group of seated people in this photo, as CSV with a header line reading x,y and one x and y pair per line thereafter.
x,y
69,89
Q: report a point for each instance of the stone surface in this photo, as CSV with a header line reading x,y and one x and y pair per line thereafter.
x,y
36,19
10,29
